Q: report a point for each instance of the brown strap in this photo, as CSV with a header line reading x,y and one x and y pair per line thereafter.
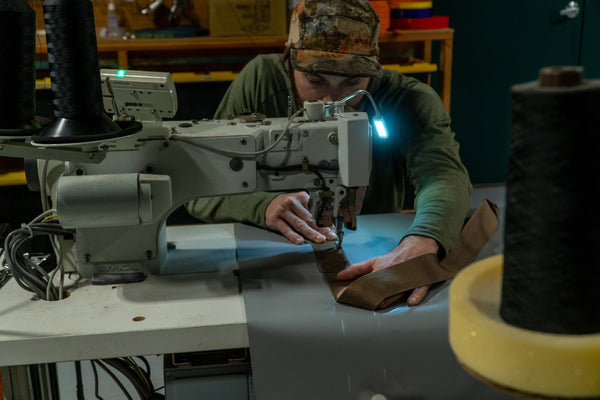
x,y
333,261
475,234
370,290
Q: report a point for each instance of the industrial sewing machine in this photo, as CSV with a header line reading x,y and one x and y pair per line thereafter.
x,y
117,193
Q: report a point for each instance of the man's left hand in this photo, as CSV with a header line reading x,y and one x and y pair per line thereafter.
x,y
410,247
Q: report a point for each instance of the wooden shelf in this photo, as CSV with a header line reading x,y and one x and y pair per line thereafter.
x,y
13,178
414,66
423,40
207,46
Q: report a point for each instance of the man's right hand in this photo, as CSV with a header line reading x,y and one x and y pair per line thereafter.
x,y
289,215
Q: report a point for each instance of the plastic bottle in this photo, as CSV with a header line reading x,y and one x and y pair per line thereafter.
x,y
113,21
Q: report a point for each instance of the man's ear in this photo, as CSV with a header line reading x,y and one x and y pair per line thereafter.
x,y
286,53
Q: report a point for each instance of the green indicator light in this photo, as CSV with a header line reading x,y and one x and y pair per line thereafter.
x,y
121,73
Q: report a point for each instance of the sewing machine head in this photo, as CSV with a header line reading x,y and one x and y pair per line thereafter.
x,y
117,202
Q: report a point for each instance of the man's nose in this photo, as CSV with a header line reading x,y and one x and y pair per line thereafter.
x,y
332,95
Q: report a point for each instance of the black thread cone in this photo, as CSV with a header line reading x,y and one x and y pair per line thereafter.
x,y
551,278
74,75
17,69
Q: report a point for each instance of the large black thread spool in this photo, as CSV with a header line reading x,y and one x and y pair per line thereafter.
x,y
17,69
551,277
74,75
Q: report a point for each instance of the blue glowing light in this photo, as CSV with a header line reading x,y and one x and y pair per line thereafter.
x,y
380,127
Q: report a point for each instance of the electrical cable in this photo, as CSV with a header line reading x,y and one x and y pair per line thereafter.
x,y
146,364
53,240
27,272
230,153
142,374
96,385
53,380
43,189
137,376
155,395
377,120
79,380
59,266
125,369
366,93
114,378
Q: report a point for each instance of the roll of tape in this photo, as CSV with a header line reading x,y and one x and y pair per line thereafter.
x,y
382,8
395,3
412,5
436,22
416,13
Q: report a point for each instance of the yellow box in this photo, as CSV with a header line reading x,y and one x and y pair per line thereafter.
x,y
247,17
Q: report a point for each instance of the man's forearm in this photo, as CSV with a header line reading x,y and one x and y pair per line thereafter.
x,y
246,208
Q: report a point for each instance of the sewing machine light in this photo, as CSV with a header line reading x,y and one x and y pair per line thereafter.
x,y
380,127
377,119
121,73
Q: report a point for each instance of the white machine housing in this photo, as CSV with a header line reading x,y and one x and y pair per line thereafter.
x,y
148,95
116,194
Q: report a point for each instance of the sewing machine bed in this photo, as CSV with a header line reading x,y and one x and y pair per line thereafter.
x,y
163,314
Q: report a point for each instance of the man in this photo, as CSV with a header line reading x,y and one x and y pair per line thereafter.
x,y
331,53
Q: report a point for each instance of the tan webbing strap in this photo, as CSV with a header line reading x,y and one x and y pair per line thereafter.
x,y
475,234
331,262
370,290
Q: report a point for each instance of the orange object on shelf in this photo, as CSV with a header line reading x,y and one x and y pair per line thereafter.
x,y
383,11
394,3
412,5
435,22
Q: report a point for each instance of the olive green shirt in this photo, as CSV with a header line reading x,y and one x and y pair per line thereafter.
x,y
420,149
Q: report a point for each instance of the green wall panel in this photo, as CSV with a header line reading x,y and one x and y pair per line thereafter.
x,y
496,45
590,53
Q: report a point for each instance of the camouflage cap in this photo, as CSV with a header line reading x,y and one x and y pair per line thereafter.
x,y
336,37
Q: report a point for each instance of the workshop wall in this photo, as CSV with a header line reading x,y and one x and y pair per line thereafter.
x,y
490,55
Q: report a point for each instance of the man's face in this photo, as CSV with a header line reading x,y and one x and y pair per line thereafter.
x,y
329,87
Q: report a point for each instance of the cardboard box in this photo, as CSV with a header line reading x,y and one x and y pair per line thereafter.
x,y
247,17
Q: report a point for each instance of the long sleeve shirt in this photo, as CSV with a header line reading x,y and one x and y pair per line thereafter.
x,y
420,150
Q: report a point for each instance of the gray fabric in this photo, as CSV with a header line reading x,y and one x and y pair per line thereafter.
x,y
304,345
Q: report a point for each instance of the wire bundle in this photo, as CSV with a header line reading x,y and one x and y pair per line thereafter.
x,y
28,273
138,376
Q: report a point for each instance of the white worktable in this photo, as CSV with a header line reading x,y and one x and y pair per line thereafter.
x,y
180,313
163,314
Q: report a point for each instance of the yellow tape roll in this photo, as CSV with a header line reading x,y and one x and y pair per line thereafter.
x,y
516,359
411,5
